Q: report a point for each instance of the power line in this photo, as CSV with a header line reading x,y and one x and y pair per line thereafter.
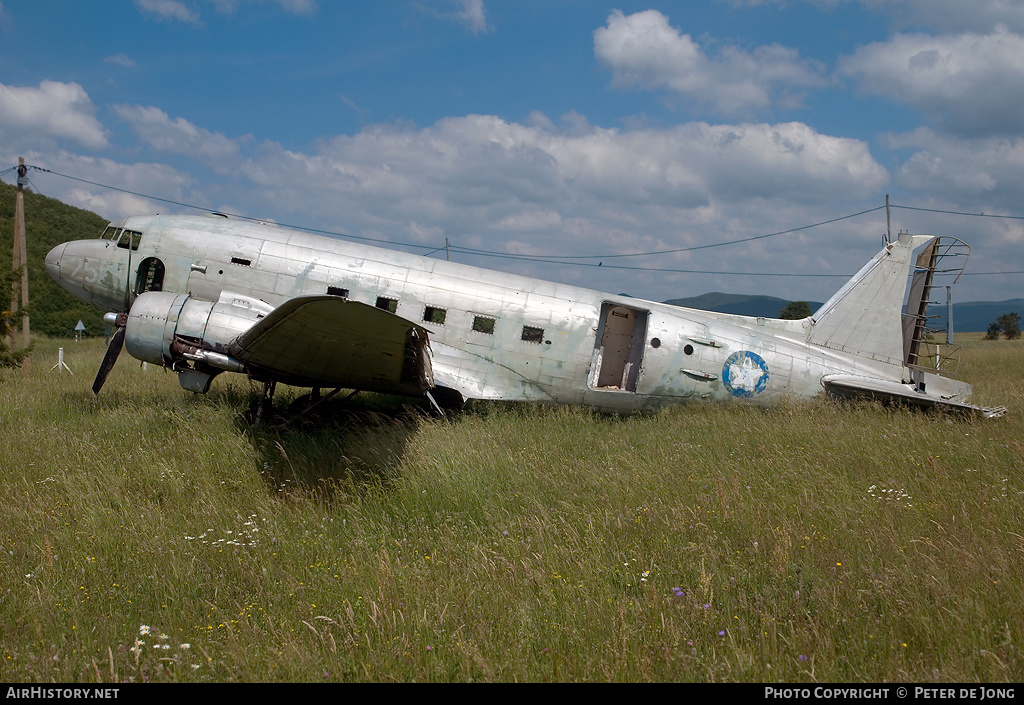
x,y
499,255
233,215
466,250
564,259
973,215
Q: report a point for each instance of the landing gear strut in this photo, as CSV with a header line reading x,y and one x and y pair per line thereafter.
x,y
261,410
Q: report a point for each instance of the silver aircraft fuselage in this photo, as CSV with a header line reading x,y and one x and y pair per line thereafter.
x,y
198,289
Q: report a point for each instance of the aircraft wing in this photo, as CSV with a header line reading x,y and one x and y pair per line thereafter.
x,y
854,387
327,341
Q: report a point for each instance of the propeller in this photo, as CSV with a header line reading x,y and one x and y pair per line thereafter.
x,y
120,321
110,357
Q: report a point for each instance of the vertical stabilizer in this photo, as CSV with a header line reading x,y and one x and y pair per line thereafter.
x,y
864,318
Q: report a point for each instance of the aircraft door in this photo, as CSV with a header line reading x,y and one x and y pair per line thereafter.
x,y
150,276
619,349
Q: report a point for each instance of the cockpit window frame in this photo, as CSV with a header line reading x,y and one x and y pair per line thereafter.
x,y
129,236
117,234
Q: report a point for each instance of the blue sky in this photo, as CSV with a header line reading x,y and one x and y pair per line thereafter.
x,y
567,129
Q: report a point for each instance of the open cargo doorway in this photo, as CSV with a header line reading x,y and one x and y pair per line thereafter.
x,y
620,347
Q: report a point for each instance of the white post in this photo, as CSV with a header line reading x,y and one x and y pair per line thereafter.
x,y
60,362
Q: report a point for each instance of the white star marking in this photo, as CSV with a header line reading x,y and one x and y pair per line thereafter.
x,y
745,375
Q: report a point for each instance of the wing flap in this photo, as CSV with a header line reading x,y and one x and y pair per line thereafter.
x,y
327,341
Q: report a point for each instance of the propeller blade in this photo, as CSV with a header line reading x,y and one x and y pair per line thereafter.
x,y
113,350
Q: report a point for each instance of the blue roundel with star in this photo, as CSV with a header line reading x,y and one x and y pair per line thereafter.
x,y
745,374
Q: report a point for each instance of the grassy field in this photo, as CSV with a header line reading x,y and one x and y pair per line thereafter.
x,y
150,535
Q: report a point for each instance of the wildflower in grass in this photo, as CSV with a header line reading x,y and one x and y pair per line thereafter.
x,y
144,629
801,657
721,632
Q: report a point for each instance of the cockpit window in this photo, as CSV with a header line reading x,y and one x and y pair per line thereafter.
x,y
129,237
124,238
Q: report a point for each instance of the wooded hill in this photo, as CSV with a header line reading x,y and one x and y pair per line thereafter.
x,y
48,222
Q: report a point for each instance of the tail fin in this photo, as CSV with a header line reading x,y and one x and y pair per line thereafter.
x,y
865,317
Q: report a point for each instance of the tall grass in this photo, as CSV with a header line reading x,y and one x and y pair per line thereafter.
x,y
149,534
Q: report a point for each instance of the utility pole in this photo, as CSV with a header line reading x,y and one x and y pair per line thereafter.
x,y
888,221
19,260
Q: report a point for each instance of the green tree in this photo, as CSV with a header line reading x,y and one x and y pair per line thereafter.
x,y
1008,325
795,311
7,358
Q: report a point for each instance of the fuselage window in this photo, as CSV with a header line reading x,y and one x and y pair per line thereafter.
x,y
243,262
337,291
483,324
533,335
432,314
389,305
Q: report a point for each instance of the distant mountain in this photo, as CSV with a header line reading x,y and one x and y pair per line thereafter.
x,y
741,304
968,317
975,316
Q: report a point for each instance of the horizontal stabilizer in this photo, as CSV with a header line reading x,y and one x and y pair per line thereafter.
x,y
854,387
327,341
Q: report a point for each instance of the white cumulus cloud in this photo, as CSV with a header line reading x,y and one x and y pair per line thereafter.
x,y
970,84
179,136
53,110
943,15
473,14
643,50
172,10
295,7
985,172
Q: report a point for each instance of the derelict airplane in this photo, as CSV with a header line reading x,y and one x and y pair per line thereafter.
x,y
207,294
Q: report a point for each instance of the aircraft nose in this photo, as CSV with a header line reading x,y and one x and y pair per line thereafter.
x,y
53,258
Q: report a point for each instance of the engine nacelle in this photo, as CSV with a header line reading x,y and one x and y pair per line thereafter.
x,y
167,328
